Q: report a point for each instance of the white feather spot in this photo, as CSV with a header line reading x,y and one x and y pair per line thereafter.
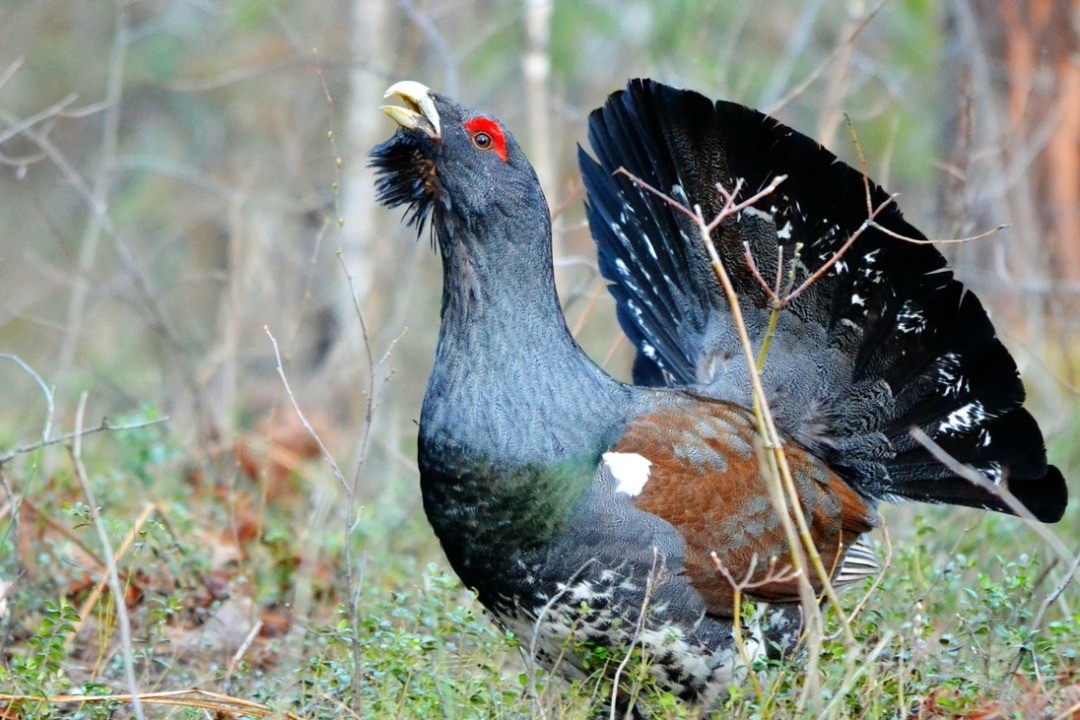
x,y
969,416
630,470
754,212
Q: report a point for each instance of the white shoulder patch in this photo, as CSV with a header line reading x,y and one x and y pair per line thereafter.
x,y
630,470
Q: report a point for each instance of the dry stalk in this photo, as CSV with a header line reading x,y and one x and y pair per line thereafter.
x,y
104,426
740,587
102,183
115,588
534,639
241,651
350,520
976,478
782,491
198,699
642,614
375,385
855,671
999,491
99,587
841,48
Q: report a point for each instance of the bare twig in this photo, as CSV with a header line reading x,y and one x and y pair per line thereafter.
x,y
1001,492
770,434
733,205
110,135
115,587
242,650
938,241
836,51
200,699
780,480
871,213
447,59
839,254
534,638
50,404
375,384
92,599
10,70
1050,599
374,391
327,456
64,531
740,587
643,612
784,574
30,121
1044,607
752,264
105,426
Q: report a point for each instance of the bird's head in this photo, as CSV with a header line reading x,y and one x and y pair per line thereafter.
x,y
456,161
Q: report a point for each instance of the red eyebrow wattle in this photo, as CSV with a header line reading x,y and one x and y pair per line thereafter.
x,y
489,126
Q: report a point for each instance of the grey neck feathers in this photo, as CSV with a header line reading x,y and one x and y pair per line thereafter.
x,y
510,386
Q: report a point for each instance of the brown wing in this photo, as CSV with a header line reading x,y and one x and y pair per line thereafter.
x,y
704,478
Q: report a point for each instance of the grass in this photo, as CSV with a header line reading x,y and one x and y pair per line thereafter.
x,y
232,593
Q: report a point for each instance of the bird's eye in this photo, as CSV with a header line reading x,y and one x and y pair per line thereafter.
x,y
481,140
487,135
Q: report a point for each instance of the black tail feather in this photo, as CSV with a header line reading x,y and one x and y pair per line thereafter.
x,y
884,341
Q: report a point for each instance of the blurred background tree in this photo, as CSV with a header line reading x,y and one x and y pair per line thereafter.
x,y
178,175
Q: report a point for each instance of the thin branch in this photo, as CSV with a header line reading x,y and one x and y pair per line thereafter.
x,y
534,638
674,204
92,598
10,70
374,391
1070,574
833,54
105,426
45,391
780,482
739,587
64,531
938,241
122,620
30,121
300,413
1044,607
836,256
650,584
731,206
438,44
784,575
770,434
1001,492
871,213
110,136
242,651
199,699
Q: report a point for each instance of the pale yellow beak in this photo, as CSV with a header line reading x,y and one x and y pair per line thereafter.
x,y
419,111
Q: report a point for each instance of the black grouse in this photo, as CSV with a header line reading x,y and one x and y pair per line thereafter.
x,y
570,500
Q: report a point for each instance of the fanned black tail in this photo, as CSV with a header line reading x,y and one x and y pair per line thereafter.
x,y
884,341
